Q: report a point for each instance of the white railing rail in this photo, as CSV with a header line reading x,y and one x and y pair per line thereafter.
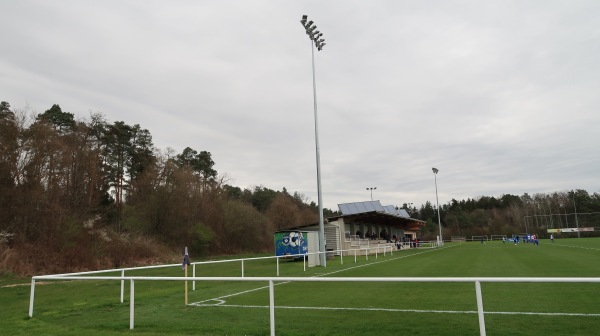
x,y
476,280
366,251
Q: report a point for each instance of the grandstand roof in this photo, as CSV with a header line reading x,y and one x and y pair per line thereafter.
x,y
374,212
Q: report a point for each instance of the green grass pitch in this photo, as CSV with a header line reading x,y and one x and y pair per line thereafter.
x,y
333,308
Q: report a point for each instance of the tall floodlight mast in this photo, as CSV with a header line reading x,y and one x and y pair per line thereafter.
x,y
316,41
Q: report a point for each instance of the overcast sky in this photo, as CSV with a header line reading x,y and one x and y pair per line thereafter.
x,y
502,97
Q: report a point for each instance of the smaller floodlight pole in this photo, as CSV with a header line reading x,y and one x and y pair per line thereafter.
x,y
371,188
315,36
437,202
576,220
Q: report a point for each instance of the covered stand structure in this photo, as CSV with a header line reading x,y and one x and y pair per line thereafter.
x,y
362,225
369,223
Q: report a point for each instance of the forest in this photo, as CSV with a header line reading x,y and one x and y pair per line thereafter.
x,y
85,193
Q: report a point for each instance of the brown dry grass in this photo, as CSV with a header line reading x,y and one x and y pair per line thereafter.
x,y
88,252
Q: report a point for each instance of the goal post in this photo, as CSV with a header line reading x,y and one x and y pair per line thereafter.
x,y
498,237
478,238
458,239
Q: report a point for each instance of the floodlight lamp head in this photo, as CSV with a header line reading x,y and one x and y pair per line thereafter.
x,y
303,21
309,23
435,170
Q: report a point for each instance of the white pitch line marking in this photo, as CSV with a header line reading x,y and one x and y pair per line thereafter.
x,y
220,298
573,246
404,310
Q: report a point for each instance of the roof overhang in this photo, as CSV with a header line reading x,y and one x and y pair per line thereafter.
x,y
382,218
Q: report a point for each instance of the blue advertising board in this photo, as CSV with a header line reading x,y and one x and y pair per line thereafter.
x,y
293,242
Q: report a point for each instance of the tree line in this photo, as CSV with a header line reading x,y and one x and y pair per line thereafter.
x,y
85,193
511,214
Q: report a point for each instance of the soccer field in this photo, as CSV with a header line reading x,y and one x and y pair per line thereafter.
x,y
335,308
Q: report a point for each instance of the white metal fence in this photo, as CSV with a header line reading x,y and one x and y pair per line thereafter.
x,y
476,280
365,251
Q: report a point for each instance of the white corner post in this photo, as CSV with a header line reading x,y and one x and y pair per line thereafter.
x,y
193,276
272,307
31,296
480,308
304,262
122,285
131,304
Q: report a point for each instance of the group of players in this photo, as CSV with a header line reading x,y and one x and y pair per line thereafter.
x,y
526,239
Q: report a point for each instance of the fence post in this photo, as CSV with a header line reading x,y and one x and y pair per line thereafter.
x,y
480,308
272,307
242,268
277,266
355,256
194,275
122,285
31,296
131,299
342,257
